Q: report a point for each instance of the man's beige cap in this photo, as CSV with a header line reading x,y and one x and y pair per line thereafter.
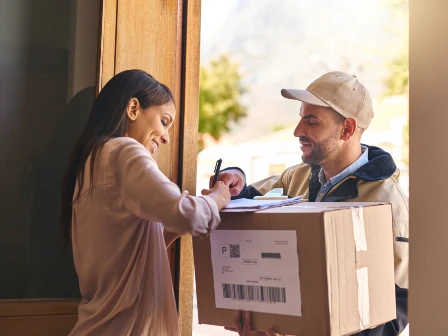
x,y
340,91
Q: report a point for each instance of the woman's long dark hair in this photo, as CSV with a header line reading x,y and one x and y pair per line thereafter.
x,y
107,120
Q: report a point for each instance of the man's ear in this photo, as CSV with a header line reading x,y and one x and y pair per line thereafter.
x,y
349,129
133,109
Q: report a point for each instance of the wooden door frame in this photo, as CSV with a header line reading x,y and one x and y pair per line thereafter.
x,y
184,280
40,316
187,98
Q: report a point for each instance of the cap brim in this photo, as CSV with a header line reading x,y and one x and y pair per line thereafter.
x,y
303,96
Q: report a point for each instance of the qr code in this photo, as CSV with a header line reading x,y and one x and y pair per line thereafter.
x,y
235,251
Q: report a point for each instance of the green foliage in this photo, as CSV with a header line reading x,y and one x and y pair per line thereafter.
x,y
398,79
406,142
406,134
278,127
220,97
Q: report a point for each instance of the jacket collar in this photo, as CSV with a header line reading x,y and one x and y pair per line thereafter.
x,y
381,166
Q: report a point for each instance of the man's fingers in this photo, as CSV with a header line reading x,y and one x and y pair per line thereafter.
x,y
224,177
236,188
271,332
235,191
228,179
231,178
247,324
236,185
230,329
237,322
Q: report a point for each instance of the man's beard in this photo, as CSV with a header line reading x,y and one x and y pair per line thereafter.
x,y
320,151
316,156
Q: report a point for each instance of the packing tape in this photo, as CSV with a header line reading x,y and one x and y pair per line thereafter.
x,y
362,276
359,230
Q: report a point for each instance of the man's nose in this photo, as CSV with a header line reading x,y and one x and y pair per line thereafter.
x,y
298,131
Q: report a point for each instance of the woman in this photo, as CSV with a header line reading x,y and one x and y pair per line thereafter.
x,y
121,212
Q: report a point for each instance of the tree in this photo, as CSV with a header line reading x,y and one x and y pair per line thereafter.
x,y
220,95
406,143
398,80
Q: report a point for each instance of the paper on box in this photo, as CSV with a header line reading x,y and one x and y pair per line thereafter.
x,y
256,270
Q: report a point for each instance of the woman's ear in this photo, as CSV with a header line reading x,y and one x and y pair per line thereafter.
x,y
133,109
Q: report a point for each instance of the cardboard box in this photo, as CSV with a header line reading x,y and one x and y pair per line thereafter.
x,y
345,262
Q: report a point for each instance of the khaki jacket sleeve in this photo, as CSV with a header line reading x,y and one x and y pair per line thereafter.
x,y
269,183
293,180
389,191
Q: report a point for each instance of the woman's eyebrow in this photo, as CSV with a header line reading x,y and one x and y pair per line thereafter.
x,y
171,118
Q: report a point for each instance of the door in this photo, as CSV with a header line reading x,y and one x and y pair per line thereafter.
x,y
54,58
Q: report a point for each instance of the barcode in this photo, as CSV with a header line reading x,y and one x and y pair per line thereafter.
x,y
266,255
235,251
254,293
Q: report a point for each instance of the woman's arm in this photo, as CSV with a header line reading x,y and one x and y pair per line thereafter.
x,y
148,193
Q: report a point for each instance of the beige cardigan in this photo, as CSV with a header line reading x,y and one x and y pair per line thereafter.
x,y
118,244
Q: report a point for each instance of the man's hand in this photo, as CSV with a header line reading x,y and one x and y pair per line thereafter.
x,y
246,330
233,178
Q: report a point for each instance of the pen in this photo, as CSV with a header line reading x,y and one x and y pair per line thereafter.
x,y
217,169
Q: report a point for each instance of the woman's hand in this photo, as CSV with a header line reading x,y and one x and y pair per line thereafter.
x,y
220,193
246,330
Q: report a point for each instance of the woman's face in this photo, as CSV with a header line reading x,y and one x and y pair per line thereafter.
x,y
150,126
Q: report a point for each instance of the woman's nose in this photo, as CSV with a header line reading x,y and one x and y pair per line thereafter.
x,y
165,138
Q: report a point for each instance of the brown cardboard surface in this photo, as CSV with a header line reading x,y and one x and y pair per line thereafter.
x,y
327,268
378,241
378,259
